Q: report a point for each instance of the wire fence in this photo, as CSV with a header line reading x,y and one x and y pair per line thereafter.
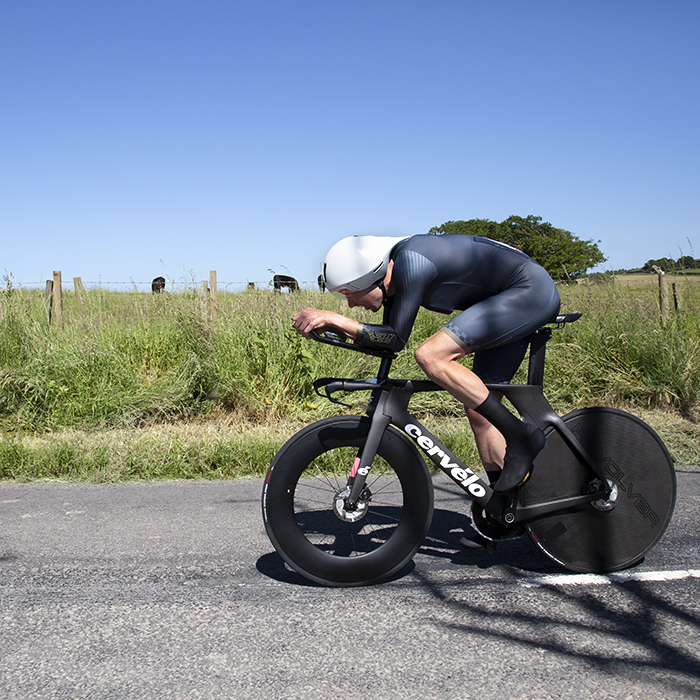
x,y
208,290
173,286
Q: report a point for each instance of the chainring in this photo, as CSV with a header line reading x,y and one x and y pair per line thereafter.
x,y
491,529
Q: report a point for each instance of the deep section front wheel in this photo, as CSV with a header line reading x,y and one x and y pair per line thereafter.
x,y
609,534
310,523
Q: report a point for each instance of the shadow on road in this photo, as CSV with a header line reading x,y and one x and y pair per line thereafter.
x,y
442,542
619,629
272,565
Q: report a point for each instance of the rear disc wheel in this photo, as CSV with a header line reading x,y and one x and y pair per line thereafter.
x,y
608,534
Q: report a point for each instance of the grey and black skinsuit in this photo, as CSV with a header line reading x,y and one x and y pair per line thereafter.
x,y
503,294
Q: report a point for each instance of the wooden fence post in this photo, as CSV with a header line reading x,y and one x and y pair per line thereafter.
x,y
664,301
78,287
57,299
676,298
204,298
668,298
48,298
213,295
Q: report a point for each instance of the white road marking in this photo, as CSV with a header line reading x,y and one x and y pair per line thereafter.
x,y
599,579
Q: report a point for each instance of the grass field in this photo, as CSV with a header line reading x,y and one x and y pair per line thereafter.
x,y
141,386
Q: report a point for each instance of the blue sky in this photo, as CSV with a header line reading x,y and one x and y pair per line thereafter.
x,y
149,137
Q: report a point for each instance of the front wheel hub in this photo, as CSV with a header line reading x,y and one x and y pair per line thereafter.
x,y
348,513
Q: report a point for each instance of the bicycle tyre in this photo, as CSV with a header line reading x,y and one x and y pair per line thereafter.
x,y
301,486
589,538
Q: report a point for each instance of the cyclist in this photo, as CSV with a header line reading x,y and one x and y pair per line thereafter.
x,y
503,296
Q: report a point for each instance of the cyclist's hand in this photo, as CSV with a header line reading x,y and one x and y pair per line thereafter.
x,y
308,320
320,320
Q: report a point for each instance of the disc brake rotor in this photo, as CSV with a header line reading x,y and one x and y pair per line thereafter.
x,y
351,515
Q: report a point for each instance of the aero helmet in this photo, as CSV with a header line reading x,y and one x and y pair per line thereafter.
x,y
358,262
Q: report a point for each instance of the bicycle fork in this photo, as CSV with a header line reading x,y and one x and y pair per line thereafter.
x,y
390,407
363,462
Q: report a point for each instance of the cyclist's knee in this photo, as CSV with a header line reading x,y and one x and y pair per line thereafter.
x,y
436,352
423,359
428,359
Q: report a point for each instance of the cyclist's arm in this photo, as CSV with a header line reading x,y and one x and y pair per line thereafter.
x,y
411,276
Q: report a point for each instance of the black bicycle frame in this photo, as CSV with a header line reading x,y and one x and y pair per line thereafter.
x,y
389,406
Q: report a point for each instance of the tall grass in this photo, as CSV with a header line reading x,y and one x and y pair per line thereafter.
x,y
621,352
134,358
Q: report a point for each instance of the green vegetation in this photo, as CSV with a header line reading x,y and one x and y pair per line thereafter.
x,y
147,386
563,255
685,263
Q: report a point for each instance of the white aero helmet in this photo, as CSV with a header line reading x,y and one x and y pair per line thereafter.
x,y
358,262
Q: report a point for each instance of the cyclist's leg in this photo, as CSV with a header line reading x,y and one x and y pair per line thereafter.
x,y
490,444
494,366
494,324
438,357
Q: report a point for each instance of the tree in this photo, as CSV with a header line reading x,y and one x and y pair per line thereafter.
x,y
665,264
561,253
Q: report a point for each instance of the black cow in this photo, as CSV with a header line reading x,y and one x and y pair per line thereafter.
x,y
279,281
158,285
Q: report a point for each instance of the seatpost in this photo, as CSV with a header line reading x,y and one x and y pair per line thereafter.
x,y
535,368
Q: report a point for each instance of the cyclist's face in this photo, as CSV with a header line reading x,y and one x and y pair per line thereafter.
x,y
371,299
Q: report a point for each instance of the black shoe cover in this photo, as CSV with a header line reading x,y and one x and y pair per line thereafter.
x,y
520,454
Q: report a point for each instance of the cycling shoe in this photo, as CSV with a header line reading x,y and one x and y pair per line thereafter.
x,y
520,454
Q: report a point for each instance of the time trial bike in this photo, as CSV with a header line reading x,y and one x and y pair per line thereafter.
x,y
348,500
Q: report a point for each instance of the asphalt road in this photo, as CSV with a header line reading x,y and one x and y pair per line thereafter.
x,y
172,590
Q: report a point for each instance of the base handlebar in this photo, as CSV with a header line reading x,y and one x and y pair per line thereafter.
x,y
340,342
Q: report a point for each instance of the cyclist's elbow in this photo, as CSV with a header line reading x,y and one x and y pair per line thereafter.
x,y
381,338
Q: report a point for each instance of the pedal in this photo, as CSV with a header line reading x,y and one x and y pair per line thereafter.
x,y
478,542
